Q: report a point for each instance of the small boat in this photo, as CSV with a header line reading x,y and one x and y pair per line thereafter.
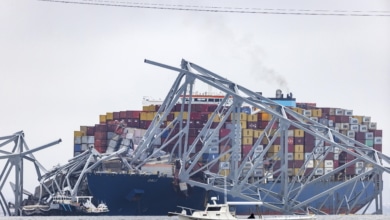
x,y
225,211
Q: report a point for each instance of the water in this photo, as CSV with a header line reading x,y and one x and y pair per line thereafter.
x,y
320,217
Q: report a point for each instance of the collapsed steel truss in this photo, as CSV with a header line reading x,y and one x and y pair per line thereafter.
x,y
15,160
240,182
286,198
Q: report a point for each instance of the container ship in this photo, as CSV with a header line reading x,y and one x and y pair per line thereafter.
x,y
157,189
235,144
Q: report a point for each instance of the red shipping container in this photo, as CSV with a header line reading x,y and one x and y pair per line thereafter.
x,y
341,119
170,117
298,140
111,127
115,115
290,141
90,131
100,135
309,148
133,114
101,127
144,124
211,108
332,117
100,143
277,141
378,147
329,156
377,133
246,149
122,114
224,132
298,163
350,170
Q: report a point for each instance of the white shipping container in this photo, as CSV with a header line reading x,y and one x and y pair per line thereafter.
x,y
372,125
224,165
353,121
307,113
84,147
214,140
328,163
290,133
330,123
369,135
344,126
377,140
348,112
363,128
84,139
314,119
339,111
328,170
366,119
337,125
90,139
77,140
319,172
214,149
290,156
336,156
336,150
290,172
309,164
354,127
351,134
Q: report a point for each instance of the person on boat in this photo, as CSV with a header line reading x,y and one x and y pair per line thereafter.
x,y
252,216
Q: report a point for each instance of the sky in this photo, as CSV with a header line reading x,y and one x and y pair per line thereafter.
x,y
62,65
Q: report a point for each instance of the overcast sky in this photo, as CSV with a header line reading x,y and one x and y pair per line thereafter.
x,y
62,65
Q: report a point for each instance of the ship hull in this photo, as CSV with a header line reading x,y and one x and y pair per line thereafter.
x,y
153,195
133,194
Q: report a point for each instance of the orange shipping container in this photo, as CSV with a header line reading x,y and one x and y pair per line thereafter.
x,y
265,116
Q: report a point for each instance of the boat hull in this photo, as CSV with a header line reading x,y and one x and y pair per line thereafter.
x,y
136,194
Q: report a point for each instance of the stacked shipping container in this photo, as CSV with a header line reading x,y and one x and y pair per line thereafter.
x,y
303,148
